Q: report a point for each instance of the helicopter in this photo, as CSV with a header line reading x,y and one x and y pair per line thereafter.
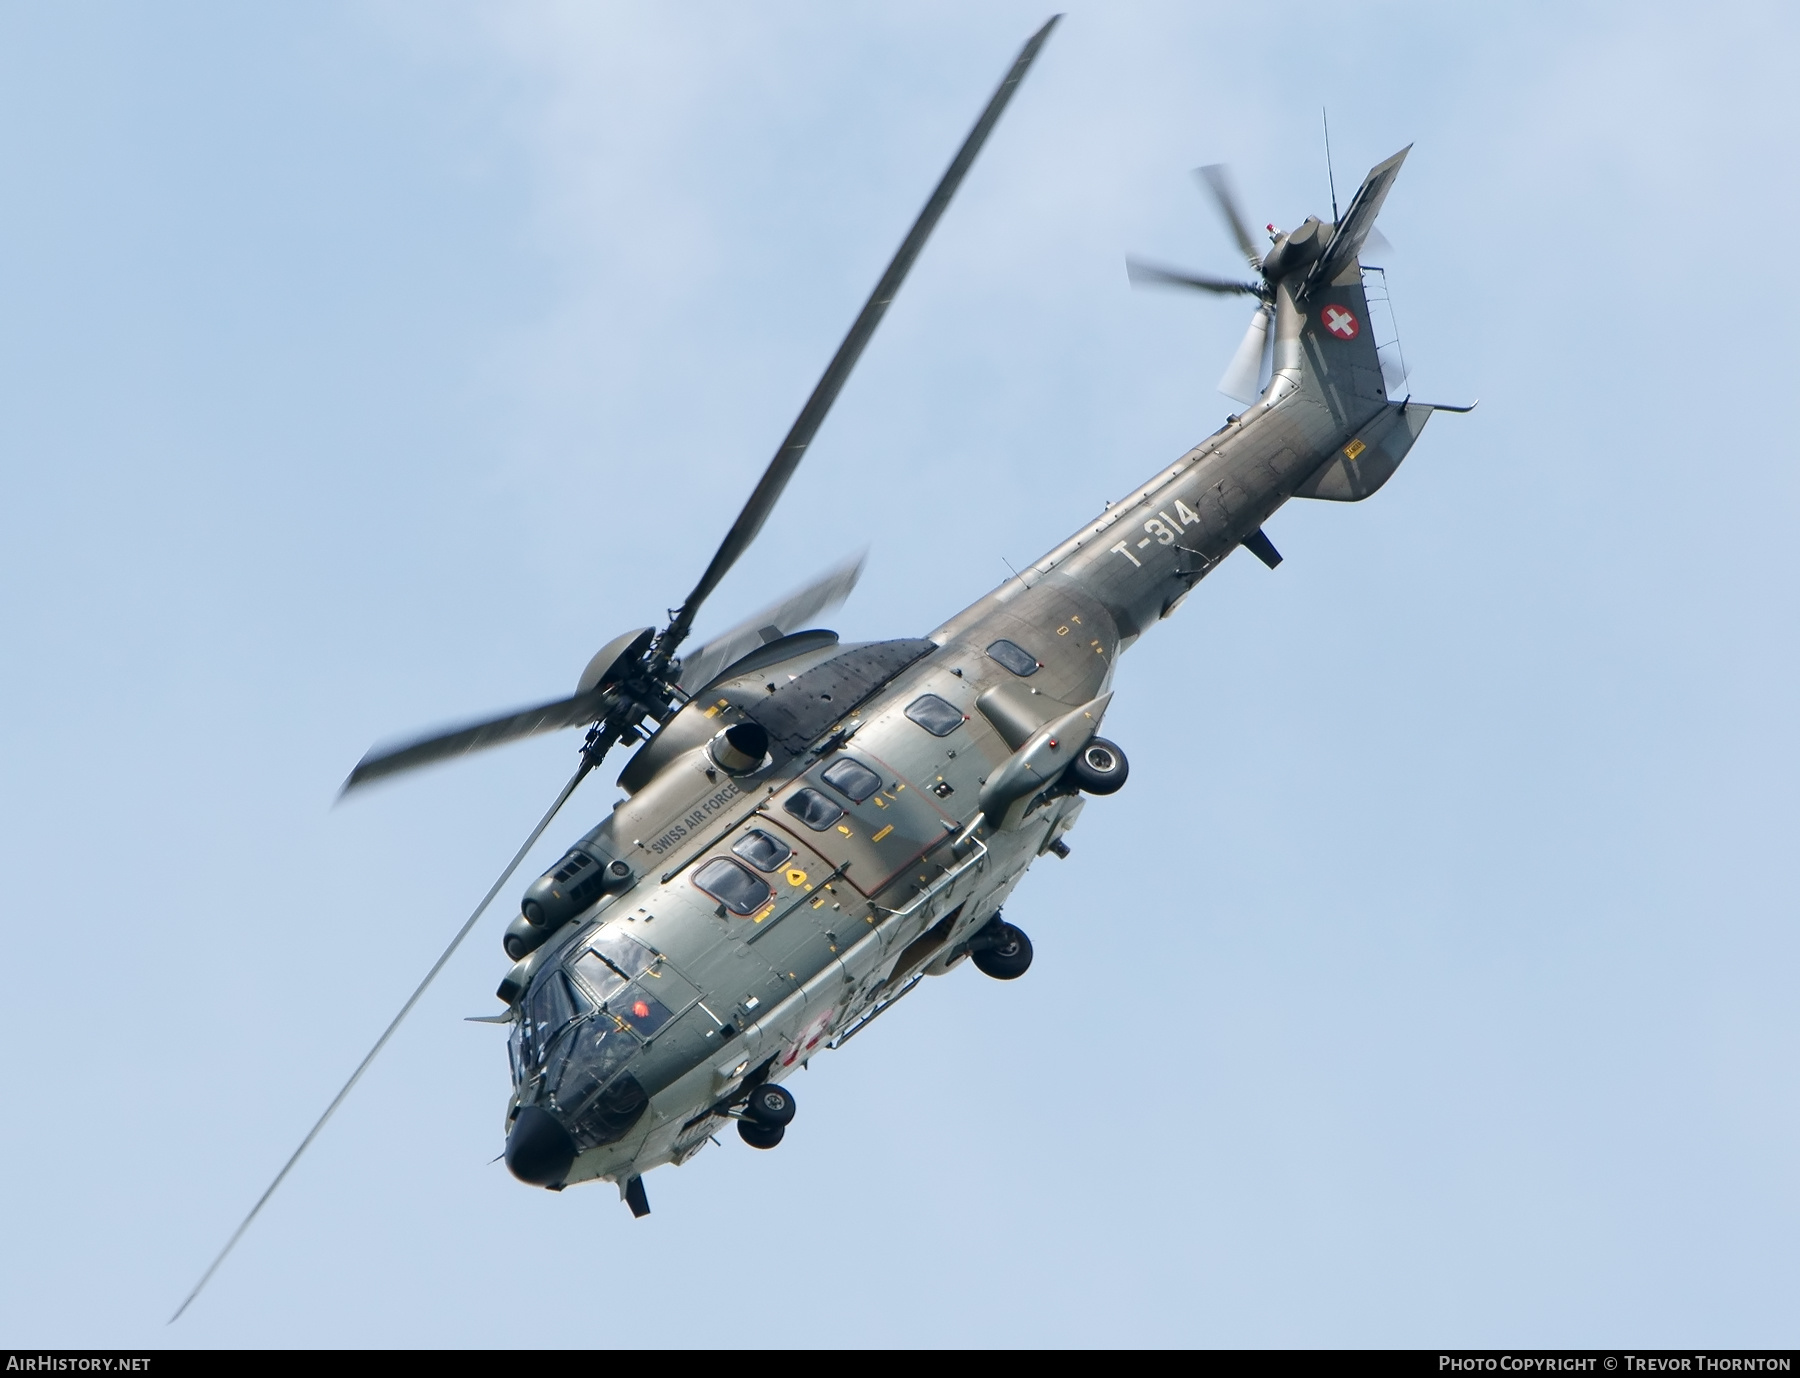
x,y
810,829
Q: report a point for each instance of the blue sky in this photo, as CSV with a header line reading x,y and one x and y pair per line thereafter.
x,y
365,366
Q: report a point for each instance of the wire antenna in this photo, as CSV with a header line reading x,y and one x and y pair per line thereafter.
x,y
1330,176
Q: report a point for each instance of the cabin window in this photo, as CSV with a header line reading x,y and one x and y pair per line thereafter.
x,y
852,778
813,809
937,716
1015,658
734,887
763,852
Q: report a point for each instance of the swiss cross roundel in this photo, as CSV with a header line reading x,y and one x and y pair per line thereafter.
x,y
1340,321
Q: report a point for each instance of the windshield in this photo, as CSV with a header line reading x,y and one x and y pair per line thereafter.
x,y
598,1049
550,1007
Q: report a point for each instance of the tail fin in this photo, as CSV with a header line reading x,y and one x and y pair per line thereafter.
x,y
1336,342
1346,243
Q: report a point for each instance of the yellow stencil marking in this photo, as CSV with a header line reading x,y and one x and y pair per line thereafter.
x,y
1062,631
845,831
796,877
1353,449
880,803
819,903
883,833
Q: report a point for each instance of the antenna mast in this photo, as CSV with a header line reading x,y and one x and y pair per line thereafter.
x,y
1330,177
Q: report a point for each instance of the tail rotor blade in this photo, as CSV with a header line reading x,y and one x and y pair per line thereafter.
x,y
387,1033
1144,274
1245,370
1216,178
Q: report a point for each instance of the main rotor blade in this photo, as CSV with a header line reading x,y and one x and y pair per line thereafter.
x,y
812,415
1216,178
792,613
387,1033
1145,274
459,741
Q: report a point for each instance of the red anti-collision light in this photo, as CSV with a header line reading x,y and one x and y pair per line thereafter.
x,y
641,1010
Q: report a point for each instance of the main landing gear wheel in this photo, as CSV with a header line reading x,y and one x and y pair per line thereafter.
x,y
760,1135
771,1105
1001,951
1101,768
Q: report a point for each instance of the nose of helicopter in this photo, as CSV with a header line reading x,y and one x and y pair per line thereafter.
x,y
539,1150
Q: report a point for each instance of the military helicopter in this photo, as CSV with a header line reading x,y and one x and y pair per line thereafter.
x,y
810,829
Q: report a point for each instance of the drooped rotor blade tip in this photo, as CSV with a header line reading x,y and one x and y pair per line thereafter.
x,y
562,798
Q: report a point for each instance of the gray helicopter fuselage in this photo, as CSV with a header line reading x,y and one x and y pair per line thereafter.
x,y
663,985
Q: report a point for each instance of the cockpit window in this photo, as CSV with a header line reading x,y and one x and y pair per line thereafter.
x,y
1015,658
596,975
552,1004
937,716
852,778
639,1011
813,809
623,951
610,960
734,887
763,852
597,1050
